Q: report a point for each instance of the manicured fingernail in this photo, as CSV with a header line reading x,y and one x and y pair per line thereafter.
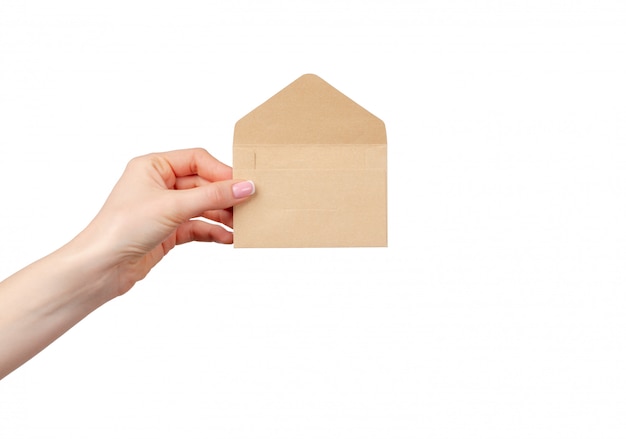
x,y
243,189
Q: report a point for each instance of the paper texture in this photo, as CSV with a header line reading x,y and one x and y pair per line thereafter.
x,y
319,163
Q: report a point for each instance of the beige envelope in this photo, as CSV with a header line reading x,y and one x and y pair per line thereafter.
x,y
319,162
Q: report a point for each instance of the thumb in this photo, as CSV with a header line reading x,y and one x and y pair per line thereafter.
x,y
214,196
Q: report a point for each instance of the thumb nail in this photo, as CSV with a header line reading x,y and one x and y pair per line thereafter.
x,y
243,189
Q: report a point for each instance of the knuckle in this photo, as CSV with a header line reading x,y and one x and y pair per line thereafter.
x,y
215,197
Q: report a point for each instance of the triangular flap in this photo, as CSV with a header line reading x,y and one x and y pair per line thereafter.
x,y
310,111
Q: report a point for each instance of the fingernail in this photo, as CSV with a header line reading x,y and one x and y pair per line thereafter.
x,y
243,189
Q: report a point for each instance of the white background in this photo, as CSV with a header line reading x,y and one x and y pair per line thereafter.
x,y
499,308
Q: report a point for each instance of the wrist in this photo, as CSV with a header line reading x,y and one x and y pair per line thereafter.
x,y
90,265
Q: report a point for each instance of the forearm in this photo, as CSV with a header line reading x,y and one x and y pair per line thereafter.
x,y
45,299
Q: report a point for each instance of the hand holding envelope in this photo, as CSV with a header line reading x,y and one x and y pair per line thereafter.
x,y
319,163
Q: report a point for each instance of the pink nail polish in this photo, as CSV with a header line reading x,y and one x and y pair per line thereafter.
x,y
243,189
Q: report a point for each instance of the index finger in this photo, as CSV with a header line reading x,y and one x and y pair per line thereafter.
x,y
196,161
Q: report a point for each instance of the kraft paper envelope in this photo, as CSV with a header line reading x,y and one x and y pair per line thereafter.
x,y
319,163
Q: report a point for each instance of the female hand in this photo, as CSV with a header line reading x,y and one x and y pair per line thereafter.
x,y
157,203
152,208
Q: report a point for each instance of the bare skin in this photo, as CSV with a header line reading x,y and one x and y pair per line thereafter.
x,y
150,210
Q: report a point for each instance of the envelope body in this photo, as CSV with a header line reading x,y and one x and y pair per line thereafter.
x,y
319,163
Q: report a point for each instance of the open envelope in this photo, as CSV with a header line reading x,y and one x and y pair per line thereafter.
x,y
319,163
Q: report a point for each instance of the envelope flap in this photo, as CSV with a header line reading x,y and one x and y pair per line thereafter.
x,y
309,111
